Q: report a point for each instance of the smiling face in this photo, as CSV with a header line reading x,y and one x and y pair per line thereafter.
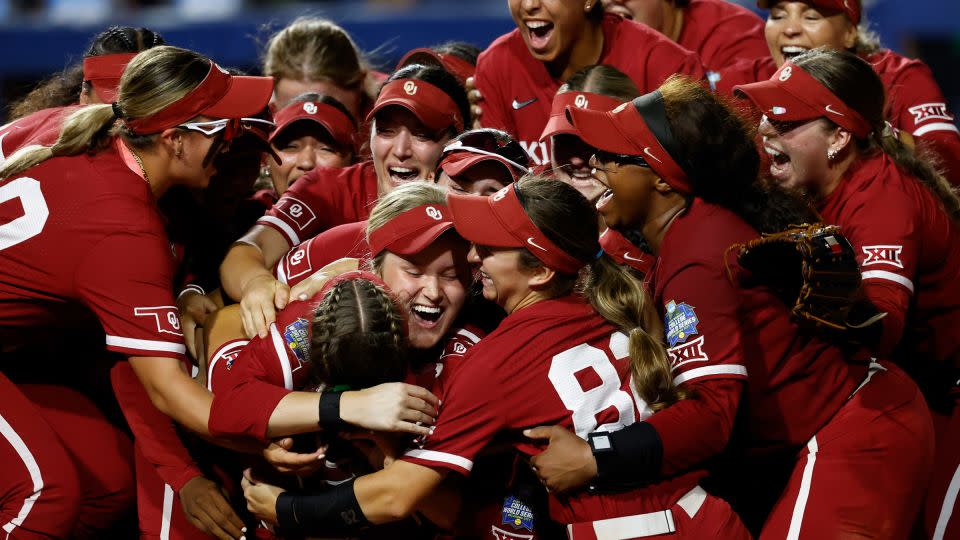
x,y
505,282
794,28
485,178
404,150
302,147
549,28
625,203
432,287
570,161
798,153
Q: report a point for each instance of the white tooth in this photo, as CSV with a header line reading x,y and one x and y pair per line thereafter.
x,y
427,309
401,170
772,152
533,25
793,49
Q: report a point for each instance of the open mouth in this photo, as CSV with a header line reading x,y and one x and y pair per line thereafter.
x,y
604,199
539,33
426,315
779,162
583,177
401,175
619,10
790,52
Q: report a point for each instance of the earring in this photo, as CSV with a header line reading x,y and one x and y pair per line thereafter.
x,y
831,154
179,147
265,171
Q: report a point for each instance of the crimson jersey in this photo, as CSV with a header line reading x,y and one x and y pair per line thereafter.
x,y
715,328
555,362
299,263
85,230
722,33
323,198
908,252
518,90
41,127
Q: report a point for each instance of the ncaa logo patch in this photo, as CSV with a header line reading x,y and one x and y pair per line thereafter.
x,y
434,213
883,255
785,73
166,317
410,88
309,108
516,514
680,322
297,337
581,101
686,353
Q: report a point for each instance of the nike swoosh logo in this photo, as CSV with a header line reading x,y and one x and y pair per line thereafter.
x,y
649,153
2,157
830,110
534,244
517,105
626,255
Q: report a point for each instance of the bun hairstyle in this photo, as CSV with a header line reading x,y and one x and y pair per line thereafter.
x,y
358,336
62,89
716,150
443,80
569,221
152,81
855,82
601,79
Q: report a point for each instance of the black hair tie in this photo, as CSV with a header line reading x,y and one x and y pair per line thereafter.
x,y
117,111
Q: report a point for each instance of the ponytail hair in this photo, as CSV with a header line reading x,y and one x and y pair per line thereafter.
x,y
854,81
152,80
569,221
358,336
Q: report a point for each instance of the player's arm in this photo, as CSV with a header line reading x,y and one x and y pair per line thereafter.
x,y
245,275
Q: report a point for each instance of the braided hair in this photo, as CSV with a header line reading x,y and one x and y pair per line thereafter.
x,y
358,336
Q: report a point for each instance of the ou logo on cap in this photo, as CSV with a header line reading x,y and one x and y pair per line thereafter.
x,y
498,196
310,108
410,87
581,101
434,213
785,73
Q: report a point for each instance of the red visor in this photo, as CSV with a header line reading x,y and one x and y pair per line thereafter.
x,y
500,221
333,120
431,105
850,8
454,65
456,163
793,94
558,122
625,253
625,131
104,73
411,231
220,95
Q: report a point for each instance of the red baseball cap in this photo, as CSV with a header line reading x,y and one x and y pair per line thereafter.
x,y
431,105
792,94
220,95
104,73
340,126
500,221
411,231
851,8
454,65
635,128
558,123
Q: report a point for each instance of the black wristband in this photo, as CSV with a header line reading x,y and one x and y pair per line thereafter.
x,y
627,458
330,410
332,512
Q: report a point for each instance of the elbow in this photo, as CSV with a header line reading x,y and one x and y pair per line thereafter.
x,y
398,506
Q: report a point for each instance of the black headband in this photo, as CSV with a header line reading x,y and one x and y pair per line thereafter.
x,y
654,114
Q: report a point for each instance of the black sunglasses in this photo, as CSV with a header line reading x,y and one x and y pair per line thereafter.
x,y
620,159
487,141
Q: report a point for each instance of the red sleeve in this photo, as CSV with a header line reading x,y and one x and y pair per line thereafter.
x,y
666,58
300,211
698,428
702,332
917,106
341,241
491,86
246,391
153,430
127,281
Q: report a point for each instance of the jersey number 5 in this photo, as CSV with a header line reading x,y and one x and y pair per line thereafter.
x,y
35,211
587,404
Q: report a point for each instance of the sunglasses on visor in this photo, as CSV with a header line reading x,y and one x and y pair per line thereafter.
x,y
489,143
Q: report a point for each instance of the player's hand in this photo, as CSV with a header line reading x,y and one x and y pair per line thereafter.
x,y
207,508
261,297
567,463
194,308
475,98
313,284
261,497
390,407
279,454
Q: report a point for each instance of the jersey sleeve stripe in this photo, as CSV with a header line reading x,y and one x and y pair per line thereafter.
x,y
469,335
281,226
889,276
441,457
936,126
734,370
281,273
281,351
33,468
146,344
227,347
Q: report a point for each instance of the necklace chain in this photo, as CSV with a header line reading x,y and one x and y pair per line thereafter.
x,y
142,168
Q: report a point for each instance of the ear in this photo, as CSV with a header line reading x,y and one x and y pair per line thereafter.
x,y
838,140
661,186
168,140
540,277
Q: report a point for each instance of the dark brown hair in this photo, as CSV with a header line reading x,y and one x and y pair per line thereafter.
x,y
601,79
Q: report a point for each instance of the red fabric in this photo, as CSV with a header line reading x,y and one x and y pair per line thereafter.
x,y
907,249
321,199
747,328
915,104
153,498
946,472
91,234
507,72
337,123
558,123
104,72
434,107
411,231
743,72
865,470
302,261
41,127
625,253
540,364
722,33
28,442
